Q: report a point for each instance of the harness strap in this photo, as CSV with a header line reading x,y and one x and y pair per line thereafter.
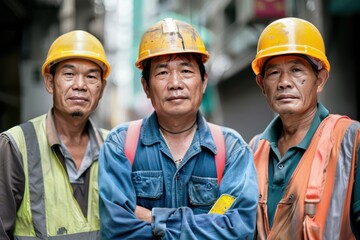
x,y
132,138
220,156
318,168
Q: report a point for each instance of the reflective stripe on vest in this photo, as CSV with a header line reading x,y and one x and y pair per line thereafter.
x,y
36,181
46,211
339,227
331,216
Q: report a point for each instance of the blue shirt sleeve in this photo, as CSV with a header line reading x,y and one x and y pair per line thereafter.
x,y
117,196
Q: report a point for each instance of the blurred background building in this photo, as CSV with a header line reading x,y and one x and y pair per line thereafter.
x,y
230,29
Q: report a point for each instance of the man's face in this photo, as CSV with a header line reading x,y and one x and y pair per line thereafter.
x,y
76,87
175,87
291,85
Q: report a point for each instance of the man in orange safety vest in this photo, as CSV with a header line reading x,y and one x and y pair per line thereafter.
x,y
309,187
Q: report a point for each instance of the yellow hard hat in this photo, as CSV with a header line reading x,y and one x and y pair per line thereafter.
x,y
290,36
170,36
77,44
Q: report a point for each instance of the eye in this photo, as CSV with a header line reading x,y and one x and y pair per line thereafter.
x,y
295,70
93,78
161,73
187,71
271,73
69,74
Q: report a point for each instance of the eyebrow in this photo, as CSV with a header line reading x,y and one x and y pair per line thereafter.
x,y
187,64
161,65
68,66
164,65
71,66
94,70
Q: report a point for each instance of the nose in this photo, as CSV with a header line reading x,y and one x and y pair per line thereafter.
x,y
175,80
80,82
285,81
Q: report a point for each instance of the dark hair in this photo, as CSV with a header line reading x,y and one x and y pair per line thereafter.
x,y
147,63
53,69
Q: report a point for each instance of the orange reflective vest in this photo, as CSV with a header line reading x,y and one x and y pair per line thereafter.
x,y
316,202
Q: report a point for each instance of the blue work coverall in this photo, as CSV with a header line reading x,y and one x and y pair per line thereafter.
x,y
179,198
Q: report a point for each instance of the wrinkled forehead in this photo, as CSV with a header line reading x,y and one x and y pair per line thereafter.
x,y
79,61
289,59
286,59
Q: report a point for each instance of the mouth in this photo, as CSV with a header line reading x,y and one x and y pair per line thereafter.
x,y
78,99
174,98
284,97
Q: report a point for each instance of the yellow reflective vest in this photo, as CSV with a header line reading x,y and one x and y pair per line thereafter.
x,y
48,209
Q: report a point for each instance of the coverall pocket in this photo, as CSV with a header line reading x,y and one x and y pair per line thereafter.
x,y
203,191
148,184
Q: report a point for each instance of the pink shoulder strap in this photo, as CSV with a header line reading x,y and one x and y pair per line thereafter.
x,y
132,138
220,156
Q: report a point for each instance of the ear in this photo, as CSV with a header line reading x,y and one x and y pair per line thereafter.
x,y
260,82
103,84
322,78
145,87
205,82
49,83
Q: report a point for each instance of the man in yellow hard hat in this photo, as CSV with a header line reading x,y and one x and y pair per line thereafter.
x,y
306,158
49,168
164,184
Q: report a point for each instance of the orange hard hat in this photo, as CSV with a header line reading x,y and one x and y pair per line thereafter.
x,y
77,44
290,36
170,36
